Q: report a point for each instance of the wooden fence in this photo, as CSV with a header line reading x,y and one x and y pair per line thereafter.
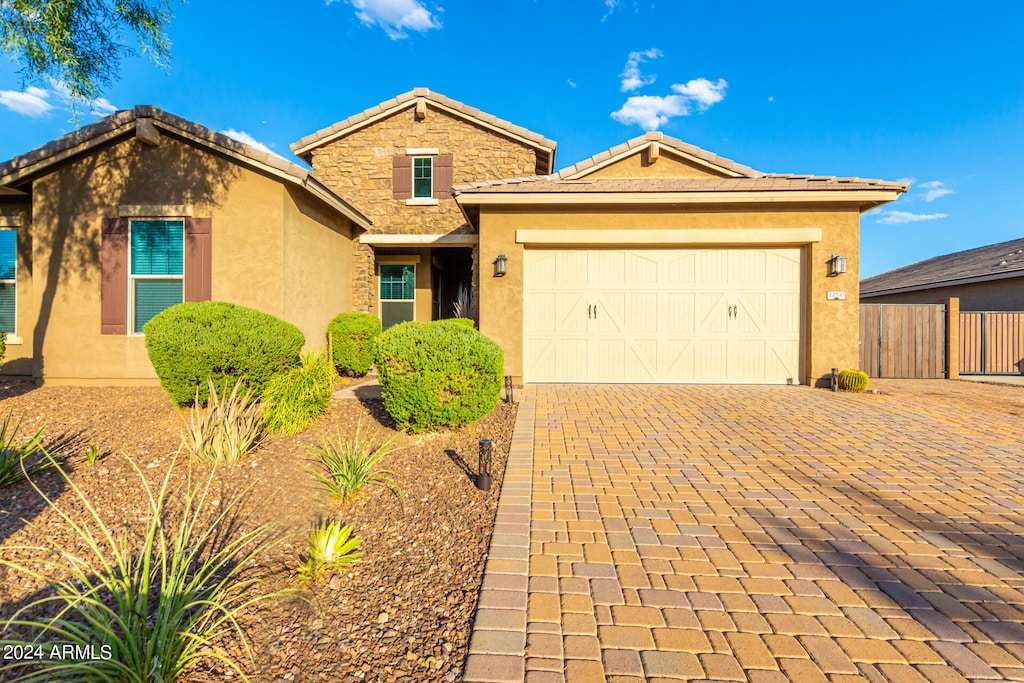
x,y
992,343
903,340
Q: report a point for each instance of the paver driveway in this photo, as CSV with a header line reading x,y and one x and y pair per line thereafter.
x,y
758,533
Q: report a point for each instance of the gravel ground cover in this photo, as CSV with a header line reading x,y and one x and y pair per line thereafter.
x,y
402,614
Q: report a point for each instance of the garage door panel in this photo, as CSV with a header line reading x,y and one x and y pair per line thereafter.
x,y
662,315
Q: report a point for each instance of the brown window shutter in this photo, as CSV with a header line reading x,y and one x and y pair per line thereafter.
x,y
442,176
401,177
114,276
198,243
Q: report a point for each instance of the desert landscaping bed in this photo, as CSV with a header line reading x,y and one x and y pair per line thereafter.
x,y
403,613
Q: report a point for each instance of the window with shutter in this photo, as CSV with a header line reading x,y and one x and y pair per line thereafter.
x,y
8,280
156,280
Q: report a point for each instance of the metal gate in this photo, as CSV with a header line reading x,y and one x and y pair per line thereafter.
x,y
991,343
903,340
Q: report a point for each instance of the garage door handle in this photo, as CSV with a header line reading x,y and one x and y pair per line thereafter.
x,y
595,311
589,312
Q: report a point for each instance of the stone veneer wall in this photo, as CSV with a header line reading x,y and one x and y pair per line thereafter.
x,y
358,167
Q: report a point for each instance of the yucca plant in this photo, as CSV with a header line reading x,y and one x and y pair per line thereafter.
x,y
228,427
150,604
348,464
330,546
19,460
294,399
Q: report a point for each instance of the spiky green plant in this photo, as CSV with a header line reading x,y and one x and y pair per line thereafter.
x,y
348,464
330,546
19,460
294,399
92,454
152,603
853,380
228,427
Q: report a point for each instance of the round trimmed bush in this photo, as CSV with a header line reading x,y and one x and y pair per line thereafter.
x,y
438,374
352,337
853,380
192,341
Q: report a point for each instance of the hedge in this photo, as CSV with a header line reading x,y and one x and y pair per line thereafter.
x,y
352,337
438,374
192,341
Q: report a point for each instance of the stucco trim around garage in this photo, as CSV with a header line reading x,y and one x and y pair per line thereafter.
x,y
447,240
671,237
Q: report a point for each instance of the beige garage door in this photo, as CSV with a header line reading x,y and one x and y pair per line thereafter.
x,y
662,315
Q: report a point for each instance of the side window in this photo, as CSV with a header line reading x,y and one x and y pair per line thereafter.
x,y
8,280
422,177
397,294
156,280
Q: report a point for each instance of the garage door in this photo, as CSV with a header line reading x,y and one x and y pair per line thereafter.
x,y
662,315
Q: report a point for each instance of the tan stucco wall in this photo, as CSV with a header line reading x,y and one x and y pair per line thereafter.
x,y
666,165
317,266
997,295
248,213
359,167
830,329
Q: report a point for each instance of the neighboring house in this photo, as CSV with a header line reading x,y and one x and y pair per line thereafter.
x,y
984,279
140,210
655,261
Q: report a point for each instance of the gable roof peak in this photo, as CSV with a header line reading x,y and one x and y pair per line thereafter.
x,y
545,148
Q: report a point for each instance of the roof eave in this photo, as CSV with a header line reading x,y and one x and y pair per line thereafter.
x,y
857,197
944,283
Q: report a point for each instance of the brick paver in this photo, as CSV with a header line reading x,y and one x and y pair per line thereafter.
x,y
650,533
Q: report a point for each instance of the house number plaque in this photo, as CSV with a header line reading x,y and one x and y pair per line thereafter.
x,y
837,296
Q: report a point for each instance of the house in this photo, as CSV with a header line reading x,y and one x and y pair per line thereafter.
x,y
654,261
988,278
141,210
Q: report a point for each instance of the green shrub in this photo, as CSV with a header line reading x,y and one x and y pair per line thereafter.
x,y
465,322
3,347
349,464
191,342
853,380
438,374
159,601
352,336
18,460
330,546
228,427
295,398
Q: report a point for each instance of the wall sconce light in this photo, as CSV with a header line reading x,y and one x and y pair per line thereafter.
x,y
836,265
500,265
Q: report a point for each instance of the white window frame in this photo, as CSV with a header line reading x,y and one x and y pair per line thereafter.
x,y
12,337
405,261
132,279
430,194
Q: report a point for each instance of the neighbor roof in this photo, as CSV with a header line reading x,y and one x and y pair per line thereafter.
x,y
545,147
20,170
994,262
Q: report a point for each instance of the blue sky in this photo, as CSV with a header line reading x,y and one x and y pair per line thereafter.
x,y
932,92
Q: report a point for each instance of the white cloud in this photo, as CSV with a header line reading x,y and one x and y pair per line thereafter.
x,y
31,102
610,6
631,78
395,16
247,139
934,189
572,83
702,91
771,98
35,101
899,217
651,112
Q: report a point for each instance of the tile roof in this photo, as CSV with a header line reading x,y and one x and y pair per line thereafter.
x,y
984,263
404,100
764,183
666,141
38,160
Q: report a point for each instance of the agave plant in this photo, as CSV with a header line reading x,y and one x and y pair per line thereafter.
x,y
18,461
349,464
460,307
228,427
330,546
140,607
